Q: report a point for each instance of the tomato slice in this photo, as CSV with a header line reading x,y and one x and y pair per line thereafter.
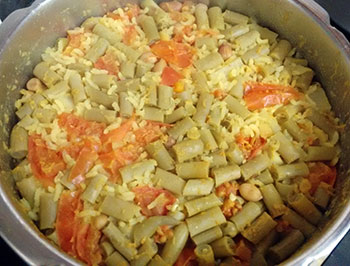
x,y
170,76
44,162
76,237
78,127
86,159
146,195
87,243
260,95
108,62
68,205
173,52
186,257
250,146
118,158
118,134
320,172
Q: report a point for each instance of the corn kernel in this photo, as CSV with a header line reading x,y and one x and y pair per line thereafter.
x,y
164,36
179,87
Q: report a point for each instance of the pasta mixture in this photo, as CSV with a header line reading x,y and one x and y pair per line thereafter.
x,y
174,134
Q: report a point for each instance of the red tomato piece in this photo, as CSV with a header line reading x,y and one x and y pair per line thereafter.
x,y
260,95
145,195
149,133
76,237
243,251
113,160
86,159
87,243
173,52
186,257
68,205
78,127
133,11
130,34
108,62
250,146
180,31
320,172
116,159
74,41
118,134
44,162
170,76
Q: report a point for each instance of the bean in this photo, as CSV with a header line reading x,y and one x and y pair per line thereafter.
x,y
35,85
100,221
171,6
226,51
250,192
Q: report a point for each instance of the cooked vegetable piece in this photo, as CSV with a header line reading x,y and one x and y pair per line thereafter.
x,y
193,170
248,214
174,245
208,236
205,220
198,187
260,95
259,228
188,149
205,255
169,181
161,155
287,246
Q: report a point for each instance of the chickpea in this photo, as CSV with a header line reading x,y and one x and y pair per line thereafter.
x,y
100,221
170,142
250,192
171,6
159,66
35,85
226,51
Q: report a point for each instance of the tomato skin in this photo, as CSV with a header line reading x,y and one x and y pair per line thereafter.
x,y
68,205
76,237
145,195
173,52
320,172
86,159
260,95
170,76
44,162
86,243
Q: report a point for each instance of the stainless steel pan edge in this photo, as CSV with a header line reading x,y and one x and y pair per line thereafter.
x,y
34,249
